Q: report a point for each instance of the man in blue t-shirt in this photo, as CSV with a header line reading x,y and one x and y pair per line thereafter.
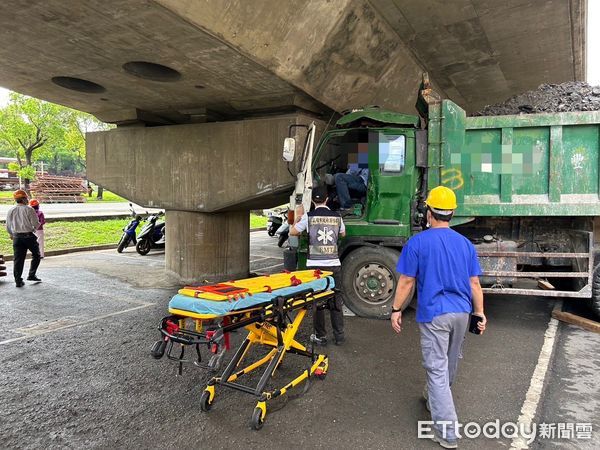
x,y
446,270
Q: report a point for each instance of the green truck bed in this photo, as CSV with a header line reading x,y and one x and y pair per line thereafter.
x,y
525,165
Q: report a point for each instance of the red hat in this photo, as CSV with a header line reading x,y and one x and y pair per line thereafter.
x,y
19,193
34,202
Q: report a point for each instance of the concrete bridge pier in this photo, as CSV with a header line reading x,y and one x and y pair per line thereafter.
x,y
208,245
207,177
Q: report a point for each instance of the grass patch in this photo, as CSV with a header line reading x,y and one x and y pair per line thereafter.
x,y
107,197
62,235
6,194
257,221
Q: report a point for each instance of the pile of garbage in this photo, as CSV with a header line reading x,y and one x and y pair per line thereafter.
x,y
548,98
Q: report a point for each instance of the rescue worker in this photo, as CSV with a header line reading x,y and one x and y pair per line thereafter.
x,y
444,265
324,227
21,224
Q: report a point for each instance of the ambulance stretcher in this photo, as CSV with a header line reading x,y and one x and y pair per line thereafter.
x,y
271,308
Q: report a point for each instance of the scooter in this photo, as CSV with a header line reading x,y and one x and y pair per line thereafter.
x,y
152,235
283,232
128,235
276,218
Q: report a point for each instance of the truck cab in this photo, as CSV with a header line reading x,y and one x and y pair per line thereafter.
x,y
382,220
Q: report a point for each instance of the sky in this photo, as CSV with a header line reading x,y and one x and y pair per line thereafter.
x,y
593,47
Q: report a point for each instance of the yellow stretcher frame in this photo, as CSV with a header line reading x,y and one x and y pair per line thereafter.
x,y
277,332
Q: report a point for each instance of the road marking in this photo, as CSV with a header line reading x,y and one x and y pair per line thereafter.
x,y
72,325
265,256
536,385
260,258
262,269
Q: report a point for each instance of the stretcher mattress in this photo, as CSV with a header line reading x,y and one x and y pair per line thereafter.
x,y
233,289
180,304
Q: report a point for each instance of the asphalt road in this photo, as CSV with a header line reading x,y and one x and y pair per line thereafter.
x,y
75,370
71,210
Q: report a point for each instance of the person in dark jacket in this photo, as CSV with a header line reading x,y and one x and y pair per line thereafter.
x,y
324,227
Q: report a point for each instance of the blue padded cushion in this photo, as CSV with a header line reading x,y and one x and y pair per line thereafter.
x,y
222,307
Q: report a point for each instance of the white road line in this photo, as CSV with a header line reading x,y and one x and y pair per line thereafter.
x,y
536,385
84,322
260,258
265,256
262,269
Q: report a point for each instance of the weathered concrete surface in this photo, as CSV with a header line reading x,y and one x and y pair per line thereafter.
x,y
342,53
224,167
201,167
483,51
207,246
237,58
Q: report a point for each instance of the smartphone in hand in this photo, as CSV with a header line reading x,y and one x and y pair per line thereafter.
x,y
473,322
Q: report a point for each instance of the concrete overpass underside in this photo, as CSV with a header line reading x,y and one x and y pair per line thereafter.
x,y
150,66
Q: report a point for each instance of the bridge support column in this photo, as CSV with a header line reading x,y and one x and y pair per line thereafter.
x,y
208,246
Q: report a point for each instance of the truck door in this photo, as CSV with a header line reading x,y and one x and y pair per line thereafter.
x,y
392,164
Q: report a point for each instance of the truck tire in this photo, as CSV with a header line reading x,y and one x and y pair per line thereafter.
x,y
595,300
369,281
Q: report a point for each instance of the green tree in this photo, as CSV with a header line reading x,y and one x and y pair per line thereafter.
x,y
33,130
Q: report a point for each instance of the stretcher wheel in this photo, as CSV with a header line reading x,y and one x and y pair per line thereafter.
x,y
205,401
320,374
257,420
158,349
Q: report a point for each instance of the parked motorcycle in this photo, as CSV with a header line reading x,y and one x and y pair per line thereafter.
x,y
152,235
283,232
128,235
276,218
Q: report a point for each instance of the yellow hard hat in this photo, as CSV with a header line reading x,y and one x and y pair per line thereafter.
x,y
441,197
19,193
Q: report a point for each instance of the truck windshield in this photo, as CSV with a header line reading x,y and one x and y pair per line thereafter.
x,y
359,146
392,150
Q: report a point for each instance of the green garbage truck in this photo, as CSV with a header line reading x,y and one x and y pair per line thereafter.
x,y
527,187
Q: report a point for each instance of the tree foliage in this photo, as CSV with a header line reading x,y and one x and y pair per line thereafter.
x,y
33,130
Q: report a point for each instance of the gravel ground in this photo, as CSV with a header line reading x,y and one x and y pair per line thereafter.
x,y
569,96
76,370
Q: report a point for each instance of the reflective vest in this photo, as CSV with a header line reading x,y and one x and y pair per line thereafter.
x,y
323,232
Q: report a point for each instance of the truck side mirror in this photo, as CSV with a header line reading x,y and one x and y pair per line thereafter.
x,y
289,149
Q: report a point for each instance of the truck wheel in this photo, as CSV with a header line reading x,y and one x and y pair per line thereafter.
x,y
369,281
595,300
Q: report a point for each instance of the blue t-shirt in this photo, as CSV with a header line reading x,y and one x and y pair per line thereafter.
x,y
442,261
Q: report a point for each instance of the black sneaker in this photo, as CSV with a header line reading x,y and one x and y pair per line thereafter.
x,y
322,341
33,278
339,340
19,283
